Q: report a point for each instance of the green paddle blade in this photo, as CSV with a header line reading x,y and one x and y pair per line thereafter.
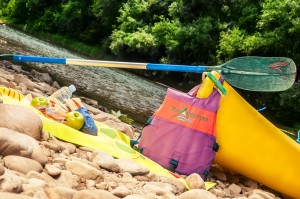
x,y
250,73
260,73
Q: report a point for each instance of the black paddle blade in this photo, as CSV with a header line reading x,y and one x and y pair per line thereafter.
x,y
260,73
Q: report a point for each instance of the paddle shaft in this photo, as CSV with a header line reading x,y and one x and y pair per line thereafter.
x,y
249,73
114,64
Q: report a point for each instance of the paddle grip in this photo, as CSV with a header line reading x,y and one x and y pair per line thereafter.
x,y
21,58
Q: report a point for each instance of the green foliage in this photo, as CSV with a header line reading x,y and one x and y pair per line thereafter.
x,y
72,12
166,33
15,10
276,31
162,26
123,117
237,42
169,31
141,41
285,107
230,42
45,22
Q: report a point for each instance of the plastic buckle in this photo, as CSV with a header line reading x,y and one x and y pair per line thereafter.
x,y
216,147
173,165
219,86
298,139
149,120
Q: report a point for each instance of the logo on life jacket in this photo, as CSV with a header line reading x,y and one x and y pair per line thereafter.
x,y
184,115
190,116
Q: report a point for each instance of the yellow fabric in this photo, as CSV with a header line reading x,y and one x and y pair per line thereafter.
x,y
109,140
11,92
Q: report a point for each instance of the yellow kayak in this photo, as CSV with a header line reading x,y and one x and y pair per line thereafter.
x,y
252,146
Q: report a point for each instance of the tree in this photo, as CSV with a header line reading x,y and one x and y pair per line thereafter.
x,y
159,30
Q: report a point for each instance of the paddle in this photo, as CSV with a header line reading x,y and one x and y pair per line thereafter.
x,y
249,73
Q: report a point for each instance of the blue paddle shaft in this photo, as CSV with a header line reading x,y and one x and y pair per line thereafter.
x,y
178,68
20,58
249,73
159,67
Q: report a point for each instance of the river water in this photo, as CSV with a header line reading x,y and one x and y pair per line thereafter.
x,y
112,88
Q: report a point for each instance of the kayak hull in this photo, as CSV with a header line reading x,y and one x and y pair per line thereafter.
x,y
252,146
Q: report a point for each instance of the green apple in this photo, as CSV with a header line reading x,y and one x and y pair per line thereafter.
x,y
39,101
74,120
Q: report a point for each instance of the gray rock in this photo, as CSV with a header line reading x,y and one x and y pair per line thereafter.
x,y
2,169
83,170
105,160
11,182
197,194
255,196
21,119
22,164
138,196
60,160
14,143
35,192
180,186
127,165
218,173
94,194
159,188
53,145
250,183
67,179
60,192
18,78
260,193
169,196
218,192
90,184
121,191
235,189
42,176
45,77
113,122
69,146
195,181
84,160
52,170
4,82
90,106
102,185
16,68
14,196
45,88
34,184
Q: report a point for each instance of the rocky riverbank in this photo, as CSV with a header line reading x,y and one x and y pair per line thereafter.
x,y
34,164
116,89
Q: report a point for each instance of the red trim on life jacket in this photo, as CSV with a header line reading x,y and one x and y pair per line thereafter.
x,y
187,115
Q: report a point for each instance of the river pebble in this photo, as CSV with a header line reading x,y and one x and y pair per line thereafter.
x,y
21,164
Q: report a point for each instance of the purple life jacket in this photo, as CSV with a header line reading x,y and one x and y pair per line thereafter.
x,y
182,133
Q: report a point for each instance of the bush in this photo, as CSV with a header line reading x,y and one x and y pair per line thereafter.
x,y
286,107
